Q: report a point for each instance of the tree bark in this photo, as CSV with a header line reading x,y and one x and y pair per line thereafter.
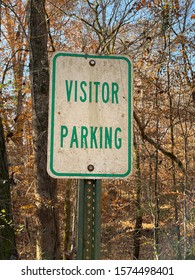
x,y
7,235
45,186
138,220
156,184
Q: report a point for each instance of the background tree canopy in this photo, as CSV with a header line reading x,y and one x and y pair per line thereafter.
x,y
149,215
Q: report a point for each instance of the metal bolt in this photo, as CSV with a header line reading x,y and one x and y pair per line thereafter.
x,y
92,62
90,167
89,183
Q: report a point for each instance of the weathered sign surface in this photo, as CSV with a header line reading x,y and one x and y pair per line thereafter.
x,y
90,116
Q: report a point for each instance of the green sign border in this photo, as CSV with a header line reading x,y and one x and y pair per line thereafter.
x,y
51,124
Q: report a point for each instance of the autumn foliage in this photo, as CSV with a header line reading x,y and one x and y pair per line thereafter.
x,y
151,214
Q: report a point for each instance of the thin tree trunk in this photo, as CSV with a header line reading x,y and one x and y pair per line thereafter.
x,y
138,219
67,229
178,245
70,209
157,211
47,216
171,120
156,186
184,198
7,235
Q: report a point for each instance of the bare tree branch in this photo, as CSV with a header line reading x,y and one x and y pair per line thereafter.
x,y
156,145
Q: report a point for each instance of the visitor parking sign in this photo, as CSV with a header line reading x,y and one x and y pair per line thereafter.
x,y
90,116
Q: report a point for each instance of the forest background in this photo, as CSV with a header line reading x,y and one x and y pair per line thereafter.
x,y
151,214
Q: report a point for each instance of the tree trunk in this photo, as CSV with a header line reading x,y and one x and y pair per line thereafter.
x,y
7,236
138,219
156,184
47,216
156,211
175,202
70,217
67,229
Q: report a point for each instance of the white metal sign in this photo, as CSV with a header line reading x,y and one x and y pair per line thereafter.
x,y
90,116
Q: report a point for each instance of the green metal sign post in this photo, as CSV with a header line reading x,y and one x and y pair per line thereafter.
x,y
89,212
